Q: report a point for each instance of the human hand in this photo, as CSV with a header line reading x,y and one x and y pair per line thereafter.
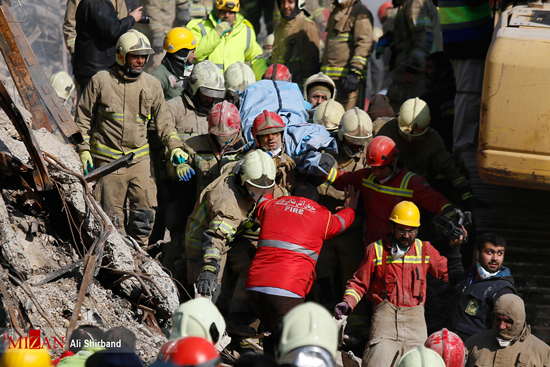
x,y
222,28
184,172
341,309
461,239
87,161
136,14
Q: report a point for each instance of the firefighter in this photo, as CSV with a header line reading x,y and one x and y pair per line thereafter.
x,y
296,42
176,66
386,183
226,37
222,211
341,255
165,14
417,34
449,346
348,45
278,72
393,275
268,131
113,115
292,232
319,88
422,149
63,85
329,114
237,78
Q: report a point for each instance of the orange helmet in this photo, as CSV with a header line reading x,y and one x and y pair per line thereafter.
x,y
278,72
449,346
381,151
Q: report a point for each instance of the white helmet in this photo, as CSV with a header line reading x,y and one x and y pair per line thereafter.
x,y
238,76
421,357
132,42
413,112
320,78
329,113
258,170
308,331
63,84
198,317
355,126
207,78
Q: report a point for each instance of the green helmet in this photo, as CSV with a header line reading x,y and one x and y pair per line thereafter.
x,y
207,78
421,357
198,317
308,329
238,76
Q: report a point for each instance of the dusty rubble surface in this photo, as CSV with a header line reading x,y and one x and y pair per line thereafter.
x,y
33,244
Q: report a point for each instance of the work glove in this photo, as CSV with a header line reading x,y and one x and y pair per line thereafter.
x,y
351,83
222,28
341,309
208,277
178,156
86,159
184,172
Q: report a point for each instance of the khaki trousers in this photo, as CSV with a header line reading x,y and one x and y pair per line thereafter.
x,y
394,331
136,184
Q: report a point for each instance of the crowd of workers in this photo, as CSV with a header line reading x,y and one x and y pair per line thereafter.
x,y
254,160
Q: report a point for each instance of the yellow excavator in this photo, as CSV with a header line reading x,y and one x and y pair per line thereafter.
x,y
514,136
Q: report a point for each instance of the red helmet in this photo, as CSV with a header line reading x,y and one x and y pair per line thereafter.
x,y
381,151
193,351
449,346
382,9
278,72
267,122
224,119
163,352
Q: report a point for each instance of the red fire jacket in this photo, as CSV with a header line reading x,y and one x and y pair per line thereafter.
x,y
379,200
291,236
405,277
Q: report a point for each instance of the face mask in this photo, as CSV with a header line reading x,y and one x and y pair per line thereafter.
x,y
503,343
276,152
397,252
484,274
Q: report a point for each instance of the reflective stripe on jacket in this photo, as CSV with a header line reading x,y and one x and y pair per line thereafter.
x,y
291,236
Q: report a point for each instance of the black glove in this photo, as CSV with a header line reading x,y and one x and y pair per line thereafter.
x,y
351,83
208,277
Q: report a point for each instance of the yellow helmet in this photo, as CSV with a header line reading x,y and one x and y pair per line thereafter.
x,y
229,5
178,38
15,357
62,84
132,42
406,213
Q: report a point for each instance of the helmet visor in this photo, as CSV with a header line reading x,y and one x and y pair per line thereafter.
x,y
309,356
256,192
412,130
214,93
358,140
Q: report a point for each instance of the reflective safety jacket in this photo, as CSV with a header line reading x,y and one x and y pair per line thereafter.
x,y
426,155
223,209
402,281
296,46
349,40
291,236
114,112
186,118
237,45
207,160
380,199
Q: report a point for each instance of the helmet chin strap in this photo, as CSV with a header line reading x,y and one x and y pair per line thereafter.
x,y
393,172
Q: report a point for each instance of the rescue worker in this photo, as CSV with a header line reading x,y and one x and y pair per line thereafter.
x,y
268,131
422,149
97,31
198,317
386,183
222,211
510,343
479,287
308,337
226,37
393,275
341,255
449,346
237,78
348,45
278,72
113,115
204,88
417,34
296,42
319,88
164,15
421,357
176,66
292,231
329,114
223,144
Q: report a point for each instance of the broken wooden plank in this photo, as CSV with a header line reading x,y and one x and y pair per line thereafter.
x,y
35,89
